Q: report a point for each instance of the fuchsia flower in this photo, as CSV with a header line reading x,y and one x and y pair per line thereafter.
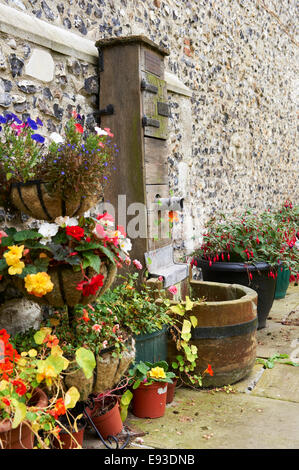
x,y
97,327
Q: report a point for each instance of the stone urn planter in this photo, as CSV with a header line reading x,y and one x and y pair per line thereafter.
x,y
33,199
226,331
21,437
107,374
239,273
65,281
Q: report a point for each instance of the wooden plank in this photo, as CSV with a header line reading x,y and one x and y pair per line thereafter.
x,y
120,86
153,190
155,158
150,107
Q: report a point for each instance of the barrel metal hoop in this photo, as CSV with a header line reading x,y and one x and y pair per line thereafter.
x,y
217,332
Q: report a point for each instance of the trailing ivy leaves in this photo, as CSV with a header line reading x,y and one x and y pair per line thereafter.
x,y
269,363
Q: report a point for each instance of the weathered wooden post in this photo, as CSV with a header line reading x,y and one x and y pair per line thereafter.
x,y
133,104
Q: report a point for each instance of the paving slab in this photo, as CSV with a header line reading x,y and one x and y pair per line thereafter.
x,y
282,308
219,420
276,338
280,383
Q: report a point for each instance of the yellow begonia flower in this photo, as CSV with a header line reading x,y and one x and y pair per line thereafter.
x,y
14,254
38,284
16,268
157,373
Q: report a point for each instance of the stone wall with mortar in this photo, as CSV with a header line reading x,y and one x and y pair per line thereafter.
x,y
234,142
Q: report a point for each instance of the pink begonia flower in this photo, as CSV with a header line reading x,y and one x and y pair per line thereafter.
x,y
108,131
106,217
160,278
100,231
105,344
137,264
128,261
97,327
110,311
173,290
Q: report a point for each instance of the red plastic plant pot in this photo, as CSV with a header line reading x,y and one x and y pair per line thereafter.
x,y
149,401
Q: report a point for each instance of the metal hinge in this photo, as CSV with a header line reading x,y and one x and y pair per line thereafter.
x,y
106,111
149,87
150,122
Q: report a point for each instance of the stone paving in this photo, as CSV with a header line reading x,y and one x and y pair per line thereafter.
x,y
259,412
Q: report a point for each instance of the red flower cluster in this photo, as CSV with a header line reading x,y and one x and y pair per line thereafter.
x,y
59,409
91,286
75,231
8,355
20,387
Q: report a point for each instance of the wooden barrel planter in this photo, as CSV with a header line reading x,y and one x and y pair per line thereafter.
x,y
226,332
33,199
152,347
238,273
65,281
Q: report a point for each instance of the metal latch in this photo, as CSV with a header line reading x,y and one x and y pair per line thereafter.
x,y
145,86
150,122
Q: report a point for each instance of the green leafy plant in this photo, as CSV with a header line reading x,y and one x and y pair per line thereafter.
x,y
75,163
185,363
79,244
270,362
78,162
22,374
135,306
147,373
251,237
21,148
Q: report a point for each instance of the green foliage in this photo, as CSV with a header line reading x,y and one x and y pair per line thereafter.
x,y
269,363
19,152
135,306
147,373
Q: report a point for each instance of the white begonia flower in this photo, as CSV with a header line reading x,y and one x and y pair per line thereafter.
x,y
125,244
48,230
66,221
100,131
87,213
57,138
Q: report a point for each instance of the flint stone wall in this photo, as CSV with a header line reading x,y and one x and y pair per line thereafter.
x,y
233,143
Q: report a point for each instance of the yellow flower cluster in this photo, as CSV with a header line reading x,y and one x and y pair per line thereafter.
x,y
13,257
157,373
38,284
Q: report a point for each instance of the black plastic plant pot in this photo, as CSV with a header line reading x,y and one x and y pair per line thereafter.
x,y
239,273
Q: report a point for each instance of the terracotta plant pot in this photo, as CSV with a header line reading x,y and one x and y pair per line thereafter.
x,y
65,281
33,199
22,437
108,424
68,441
171,391
149,401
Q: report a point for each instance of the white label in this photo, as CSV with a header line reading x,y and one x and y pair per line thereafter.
x,y
162,390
